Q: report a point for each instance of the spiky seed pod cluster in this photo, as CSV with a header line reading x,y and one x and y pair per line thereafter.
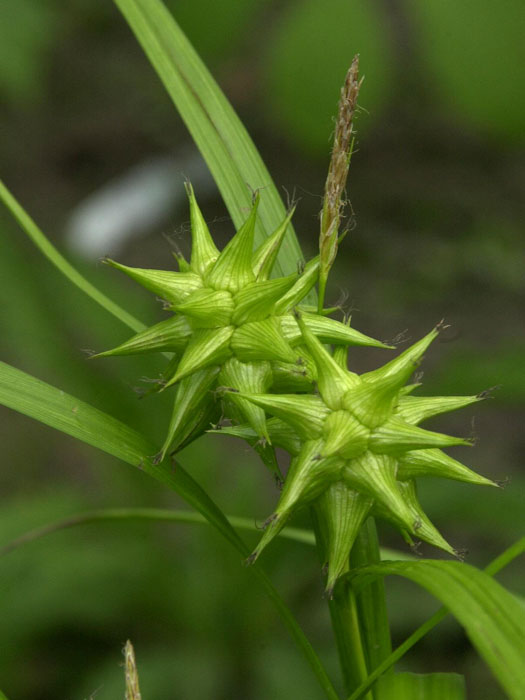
x,y
357,448
355,441
231,326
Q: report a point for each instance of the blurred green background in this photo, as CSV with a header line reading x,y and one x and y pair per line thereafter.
x,y
437,188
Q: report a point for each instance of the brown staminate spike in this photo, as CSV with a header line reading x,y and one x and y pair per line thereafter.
x,y
334,201
132,676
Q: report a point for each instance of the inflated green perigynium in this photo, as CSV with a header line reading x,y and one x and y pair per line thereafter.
x,y
242,345
231,327
357,448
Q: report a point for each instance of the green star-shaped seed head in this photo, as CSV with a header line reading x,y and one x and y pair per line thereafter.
x,y
358,447
231,326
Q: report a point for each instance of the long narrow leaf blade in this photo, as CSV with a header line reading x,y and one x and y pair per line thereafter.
x,y
415,686
144,514
164,515
59,410
52,254
492,617
219,134
496,565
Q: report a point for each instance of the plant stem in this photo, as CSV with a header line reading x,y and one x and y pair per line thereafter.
x,y
322,292
345,624
371,601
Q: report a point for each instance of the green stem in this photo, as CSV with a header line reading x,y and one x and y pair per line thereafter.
x,y
371,601
347,631
323,277
345,623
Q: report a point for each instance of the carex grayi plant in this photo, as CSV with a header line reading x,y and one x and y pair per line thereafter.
x,y
231,326
252,353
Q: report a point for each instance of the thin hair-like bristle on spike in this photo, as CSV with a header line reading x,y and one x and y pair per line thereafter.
x,y
488,393
251,559
461,554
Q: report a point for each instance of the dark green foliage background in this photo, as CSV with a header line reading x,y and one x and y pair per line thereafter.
x,y
435,185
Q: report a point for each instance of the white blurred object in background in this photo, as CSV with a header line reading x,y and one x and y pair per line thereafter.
x,y
132,205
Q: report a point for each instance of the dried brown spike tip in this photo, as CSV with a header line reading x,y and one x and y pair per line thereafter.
x,y
333,203
132,677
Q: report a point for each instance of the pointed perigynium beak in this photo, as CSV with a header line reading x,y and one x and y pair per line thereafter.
x,y
360,450
232,327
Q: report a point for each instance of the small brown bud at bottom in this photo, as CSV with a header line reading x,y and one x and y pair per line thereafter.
x,y
132,678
